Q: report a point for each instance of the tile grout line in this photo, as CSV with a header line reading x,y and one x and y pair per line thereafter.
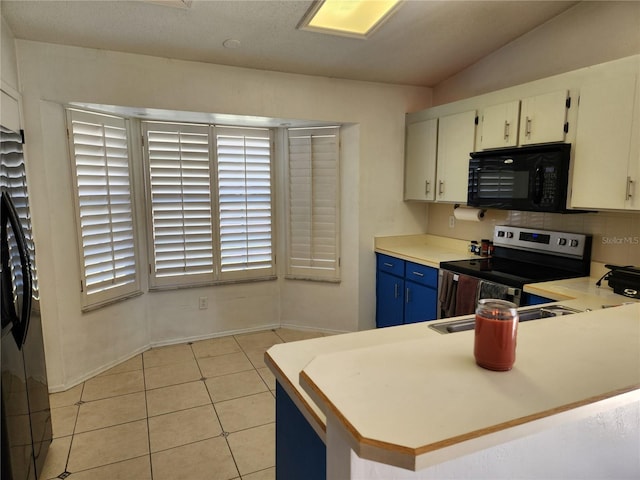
x,y
146,410
224,434
73,433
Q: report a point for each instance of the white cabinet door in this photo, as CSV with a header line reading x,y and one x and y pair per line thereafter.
x,y
456,140
604,174
420,160
543,117
500,125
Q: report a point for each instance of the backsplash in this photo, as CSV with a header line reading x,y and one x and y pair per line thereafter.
x,y
616,236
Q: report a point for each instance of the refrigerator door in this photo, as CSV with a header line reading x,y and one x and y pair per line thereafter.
x,y
26,415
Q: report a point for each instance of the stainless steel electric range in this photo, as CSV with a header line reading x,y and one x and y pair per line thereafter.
x,y
521,256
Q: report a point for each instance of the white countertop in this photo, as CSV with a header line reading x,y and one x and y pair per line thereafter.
x,y
378,382
403,400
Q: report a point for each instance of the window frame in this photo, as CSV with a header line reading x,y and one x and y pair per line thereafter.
x,y
91,300
217,276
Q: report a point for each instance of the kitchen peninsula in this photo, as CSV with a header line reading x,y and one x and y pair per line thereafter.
x,y
408,402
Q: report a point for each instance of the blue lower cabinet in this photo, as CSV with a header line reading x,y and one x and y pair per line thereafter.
x,y
531,299
389,300
406,292
421,303
300,453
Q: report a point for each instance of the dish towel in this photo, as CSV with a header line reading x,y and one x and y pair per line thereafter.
x,y
447,294
493,290
466,295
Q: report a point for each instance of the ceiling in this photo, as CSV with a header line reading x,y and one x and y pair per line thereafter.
x,y
423,43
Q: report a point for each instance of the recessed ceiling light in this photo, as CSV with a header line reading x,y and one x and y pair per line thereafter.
x,y
354,18
231,43
171,3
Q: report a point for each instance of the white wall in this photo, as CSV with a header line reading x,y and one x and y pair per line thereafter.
x,y
79,344
587,34
8,65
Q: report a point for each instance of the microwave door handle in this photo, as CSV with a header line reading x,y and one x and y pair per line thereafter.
x,y
539,185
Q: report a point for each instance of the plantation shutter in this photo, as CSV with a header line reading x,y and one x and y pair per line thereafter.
x,y
244,202
180,197
100,151
313,204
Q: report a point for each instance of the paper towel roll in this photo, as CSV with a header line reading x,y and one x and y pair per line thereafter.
x,y
468,214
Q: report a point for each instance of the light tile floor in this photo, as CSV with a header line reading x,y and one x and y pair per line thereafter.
x,y
201,410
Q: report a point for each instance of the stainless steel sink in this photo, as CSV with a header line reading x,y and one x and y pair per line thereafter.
x,y
525,315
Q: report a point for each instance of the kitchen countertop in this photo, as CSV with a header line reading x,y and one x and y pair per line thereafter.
x,y
378,382
412,403
424,249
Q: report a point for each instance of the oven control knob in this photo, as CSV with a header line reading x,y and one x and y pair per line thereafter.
x,y
562,241
501,233
509,234
574,243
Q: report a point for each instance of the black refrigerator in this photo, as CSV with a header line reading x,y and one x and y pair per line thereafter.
x,y
26,415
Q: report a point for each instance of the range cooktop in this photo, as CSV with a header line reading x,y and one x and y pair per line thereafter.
x,y
524,255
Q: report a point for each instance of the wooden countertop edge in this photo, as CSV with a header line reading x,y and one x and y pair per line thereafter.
x,y
411,452
292,388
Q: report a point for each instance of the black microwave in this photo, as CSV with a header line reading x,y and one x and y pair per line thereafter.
x,y
531,178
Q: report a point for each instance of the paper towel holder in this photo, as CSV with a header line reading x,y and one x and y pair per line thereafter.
x,y
482,210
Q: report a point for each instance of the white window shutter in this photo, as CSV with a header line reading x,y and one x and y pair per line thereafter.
x,y
100,150
313,204
244,175
180,197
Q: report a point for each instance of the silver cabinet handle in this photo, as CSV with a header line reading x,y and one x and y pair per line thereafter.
x,y
506,130
527,130
629,189
395,291
427,187
388,264
418,274
440,187
406,295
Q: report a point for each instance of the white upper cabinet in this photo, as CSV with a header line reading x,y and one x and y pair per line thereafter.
x,y
607,150
456,140
420,160
543,118
500,125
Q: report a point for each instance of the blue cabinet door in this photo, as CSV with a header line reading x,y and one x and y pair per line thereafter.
x,y
531,299
421,302
300,453
389,300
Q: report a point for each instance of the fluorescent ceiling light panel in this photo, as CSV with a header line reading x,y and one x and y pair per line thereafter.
x,y
355,18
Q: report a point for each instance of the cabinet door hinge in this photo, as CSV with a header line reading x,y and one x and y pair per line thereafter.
x,y
22,136
476,120
566,127
81,286
568,102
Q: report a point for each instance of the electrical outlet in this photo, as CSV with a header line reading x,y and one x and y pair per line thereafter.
x,y
203,303
452,221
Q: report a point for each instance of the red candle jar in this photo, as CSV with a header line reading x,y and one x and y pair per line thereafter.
x,y
495,334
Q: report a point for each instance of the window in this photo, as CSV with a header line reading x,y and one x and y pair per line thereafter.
x,y
210,195
244,201
100,152
313,204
